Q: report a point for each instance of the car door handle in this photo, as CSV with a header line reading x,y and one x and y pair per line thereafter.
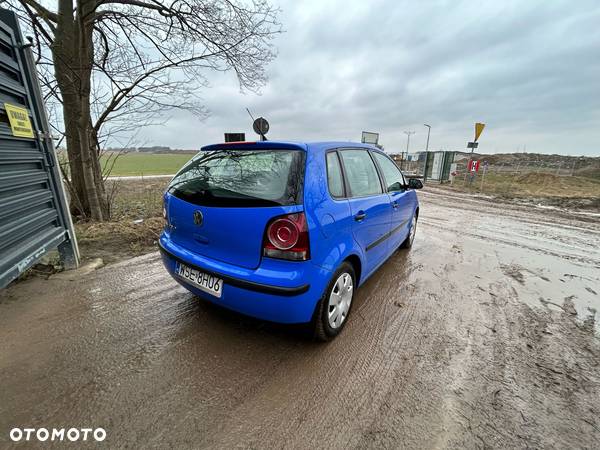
x,y
360,216
395,205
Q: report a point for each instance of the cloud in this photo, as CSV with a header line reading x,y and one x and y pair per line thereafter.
x,y
529,70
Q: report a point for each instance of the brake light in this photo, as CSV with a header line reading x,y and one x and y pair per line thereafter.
x,y
286,237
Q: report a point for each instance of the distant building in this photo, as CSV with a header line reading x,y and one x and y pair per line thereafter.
x,y
438,164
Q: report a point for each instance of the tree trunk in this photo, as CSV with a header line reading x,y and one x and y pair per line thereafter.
x,y
73,55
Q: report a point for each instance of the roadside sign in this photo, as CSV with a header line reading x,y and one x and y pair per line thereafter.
x,y
261,126
473,166
472,144
235,137
478,129
453,172
369,138
20,124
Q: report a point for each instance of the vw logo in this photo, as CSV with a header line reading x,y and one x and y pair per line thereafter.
x,y
198,218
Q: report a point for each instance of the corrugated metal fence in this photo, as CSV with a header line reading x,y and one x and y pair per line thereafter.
x,y
34,216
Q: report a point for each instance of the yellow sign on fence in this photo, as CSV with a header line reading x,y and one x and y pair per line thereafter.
x,y
478,129
19,121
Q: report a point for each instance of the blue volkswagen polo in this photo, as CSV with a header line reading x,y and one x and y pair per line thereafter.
x,y
286,231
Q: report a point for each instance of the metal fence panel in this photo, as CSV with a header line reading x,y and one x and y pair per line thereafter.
x,y
34,216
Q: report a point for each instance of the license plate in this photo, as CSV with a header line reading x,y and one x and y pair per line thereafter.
x,y
203,281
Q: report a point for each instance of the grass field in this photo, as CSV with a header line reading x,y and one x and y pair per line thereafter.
x,y
138,164
546,188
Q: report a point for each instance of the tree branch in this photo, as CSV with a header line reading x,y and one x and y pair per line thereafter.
x,y
49,17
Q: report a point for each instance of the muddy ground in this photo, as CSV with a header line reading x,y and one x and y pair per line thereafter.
x,y
484,335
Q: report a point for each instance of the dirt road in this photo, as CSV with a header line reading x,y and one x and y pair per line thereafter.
x,y
483,335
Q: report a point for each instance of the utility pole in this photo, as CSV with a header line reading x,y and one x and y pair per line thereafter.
x,y
426,152
407,133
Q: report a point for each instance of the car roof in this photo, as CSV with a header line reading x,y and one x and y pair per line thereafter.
x,y
291,145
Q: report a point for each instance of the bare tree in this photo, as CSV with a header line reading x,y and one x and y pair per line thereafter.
x,y
113,66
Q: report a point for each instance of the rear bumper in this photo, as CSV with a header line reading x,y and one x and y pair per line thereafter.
x,y
278,291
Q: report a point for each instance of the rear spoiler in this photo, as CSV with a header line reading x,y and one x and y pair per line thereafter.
x,y
258,145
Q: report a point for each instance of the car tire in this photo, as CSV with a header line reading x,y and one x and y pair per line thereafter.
x,y
408,242
327,324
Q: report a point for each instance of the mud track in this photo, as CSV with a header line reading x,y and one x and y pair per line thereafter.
x,y
483,335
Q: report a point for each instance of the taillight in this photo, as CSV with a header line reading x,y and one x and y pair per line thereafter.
x,y
287,238
165,215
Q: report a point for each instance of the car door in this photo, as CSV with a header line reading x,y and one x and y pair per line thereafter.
x,y
402,205
369,204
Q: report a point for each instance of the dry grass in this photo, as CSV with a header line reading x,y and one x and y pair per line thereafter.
x,y
135,226
112,241
136,199
545,188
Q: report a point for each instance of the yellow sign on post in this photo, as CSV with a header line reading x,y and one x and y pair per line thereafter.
x,y
478,129
19,121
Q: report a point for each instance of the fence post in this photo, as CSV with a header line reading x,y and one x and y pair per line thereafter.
x,y
483,177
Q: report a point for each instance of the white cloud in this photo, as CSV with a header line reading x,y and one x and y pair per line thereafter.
x,y
528,69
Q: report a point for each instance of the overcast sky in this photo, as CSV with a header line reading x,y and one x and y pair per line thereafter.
x,y
528,69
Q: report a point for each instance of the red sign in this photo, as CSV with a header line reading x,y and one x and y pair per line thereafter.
x,y
473,166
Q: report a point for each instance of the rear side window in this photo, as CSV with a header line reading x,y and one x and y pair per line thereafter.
x,y
394,179
334,175
361,173
241,178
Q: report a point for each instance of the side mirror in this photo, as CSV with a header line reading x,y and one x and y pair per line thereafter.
x,y
415,183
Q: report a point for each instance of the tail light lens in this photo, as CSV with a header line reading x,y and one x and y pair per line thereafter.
x,y
165,215
286,237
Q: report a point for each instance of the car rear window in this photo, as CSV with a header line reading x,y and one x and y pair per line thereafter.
x,y
334,176
241,178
